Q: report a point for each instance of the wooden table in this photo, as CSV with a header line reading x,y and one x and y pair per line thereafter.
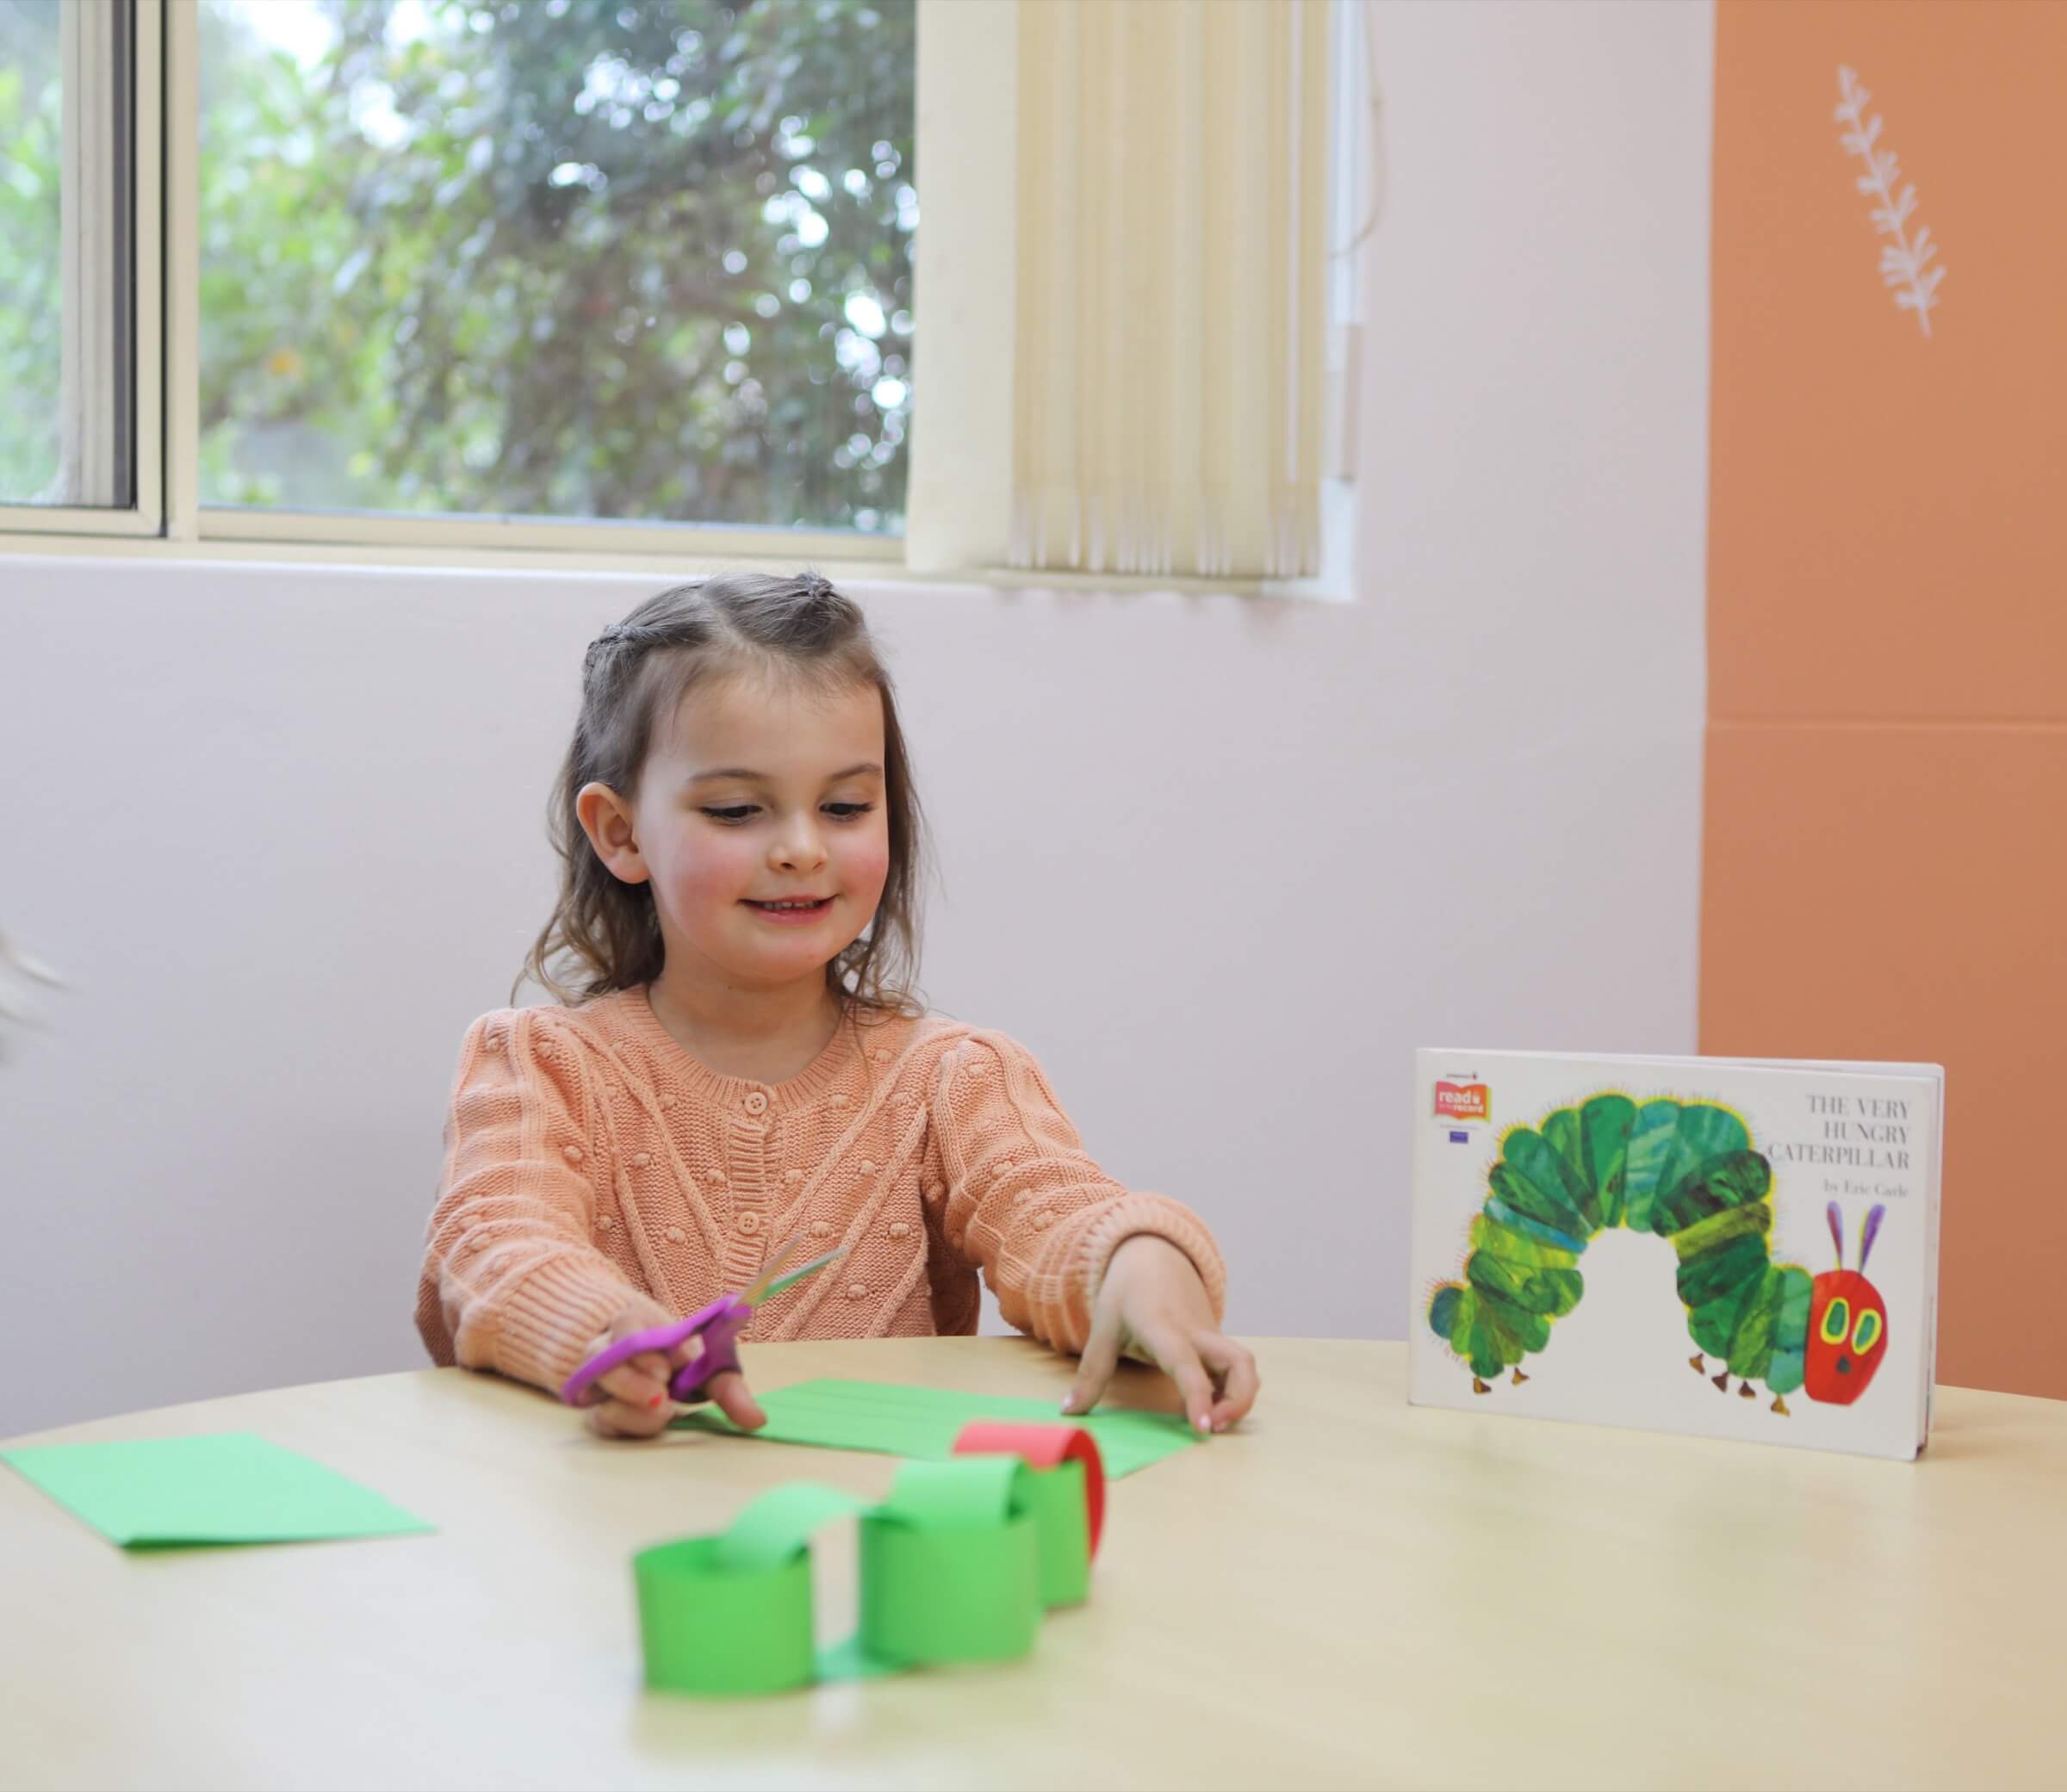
x,y
1346,1592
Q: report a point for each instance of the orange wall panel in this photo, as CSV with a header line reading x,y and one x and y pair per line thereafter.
x,y
1897,893
1884,869
1888,529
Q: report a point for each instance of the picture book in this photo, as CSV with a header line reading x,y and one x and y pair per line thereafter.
x,y
1733,1248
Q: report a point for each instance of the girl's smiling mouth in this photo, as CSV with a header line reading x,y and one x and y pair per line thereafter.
x,y
792,912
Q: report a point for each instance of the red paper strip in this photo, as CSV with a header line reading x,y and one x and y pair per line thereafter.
x,y
1044,1446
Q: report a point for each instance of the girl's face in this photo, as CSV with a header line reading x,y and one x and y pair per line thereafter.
x,y
762,794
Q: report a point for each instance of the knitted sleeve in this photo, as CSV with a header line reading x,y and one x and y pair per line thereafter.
x,y
1024,1203
510,1281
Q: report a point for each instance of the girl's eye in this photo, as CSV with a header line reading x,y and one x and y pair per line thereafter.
x,y
738,812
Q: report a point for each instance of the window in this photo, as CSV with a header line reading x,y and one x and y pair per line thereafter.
x,y
558,258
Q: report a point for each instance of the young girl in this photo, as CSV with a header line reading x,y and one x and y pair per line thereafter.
x,y
740,1061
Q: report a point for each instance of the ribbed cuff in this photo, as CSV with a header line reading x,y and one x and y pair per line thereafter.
x,y
549,1319
1130,1215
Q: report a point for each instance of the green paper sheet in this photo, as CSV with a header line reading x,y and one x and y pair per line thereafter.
x,y
900,1420
221,1487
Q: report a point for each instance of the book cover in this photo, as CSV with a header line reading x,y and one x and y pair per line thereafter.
x,y
1743,1249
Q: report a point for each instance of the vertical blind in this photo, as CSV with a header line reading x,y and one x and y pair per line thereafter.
x,y
1170,307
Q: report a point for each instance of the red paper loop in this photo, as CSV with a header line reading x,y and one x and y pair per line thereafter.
x,y
1044,1446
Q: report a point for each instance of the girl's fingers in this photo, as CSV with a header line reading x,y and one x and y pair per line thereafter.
x,y
1095,1368
637,1386
730,1391
616,1418
1180,1360
1234,1371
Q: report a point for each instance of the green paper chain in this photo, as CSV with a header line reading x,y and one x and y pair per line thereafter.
x,y
958,1564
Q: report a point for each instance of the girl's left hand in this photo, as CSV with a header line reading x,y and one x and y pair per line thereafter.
x,y
1153,1307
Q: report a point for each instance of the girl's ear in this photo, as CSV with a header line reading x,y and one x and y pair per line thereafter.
x,y
605,818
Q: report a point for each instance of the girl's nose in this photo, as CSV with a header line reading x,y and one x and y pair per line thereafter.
x,y
799,849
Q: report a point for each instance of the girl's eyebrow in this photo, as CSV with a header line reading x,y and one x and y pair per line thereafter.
x,y
867,768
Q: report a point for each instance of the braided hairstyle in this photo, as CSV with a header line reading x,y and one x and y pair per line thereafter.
x,y
603,934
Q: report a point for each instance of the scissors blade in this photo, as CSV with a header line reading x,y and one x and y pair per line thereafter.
x,y
770,1290
769,1268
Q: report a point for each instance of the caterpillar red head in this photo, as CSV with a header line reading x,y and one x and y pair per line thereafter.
x,y
1847,1321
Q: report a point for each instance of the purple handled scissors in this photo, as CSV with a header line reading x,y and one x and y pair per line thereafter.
x,y
719,1325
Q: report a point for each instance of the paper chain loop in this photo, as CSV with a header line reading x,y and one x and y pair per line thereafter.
x,y
958,1564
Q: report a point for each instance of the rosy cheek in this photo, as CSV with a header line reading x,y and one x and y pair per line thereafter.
x,y
864,867
710,873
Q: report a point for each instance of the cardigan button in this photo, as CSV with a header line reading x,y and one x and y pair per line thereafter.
x,y
748,1223
755,1103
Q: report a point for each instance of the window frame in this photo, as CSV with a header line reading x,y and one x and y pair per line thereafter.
x,y
169,521
145,516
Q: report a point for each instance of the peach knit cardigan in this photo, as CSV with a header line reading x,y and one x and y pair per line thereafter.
x,y
593,1168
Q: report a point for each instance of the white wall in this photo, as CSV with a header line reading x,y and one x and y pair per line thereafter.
x,y
1221,864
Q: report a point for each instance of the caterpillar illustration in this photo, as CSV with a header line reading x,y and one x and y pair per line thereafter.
x,y
1686,1171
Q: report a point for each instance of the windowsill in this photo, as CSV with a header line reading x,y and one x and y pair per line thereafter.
x,y
1332,585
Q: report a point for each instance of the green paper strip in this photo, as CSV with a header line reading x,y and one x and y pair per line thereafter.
x,y
220,1487
706,1629
951,1570
1063,1525
850,1661
963,1493
773,1528
951,1564
897,1419
732,1613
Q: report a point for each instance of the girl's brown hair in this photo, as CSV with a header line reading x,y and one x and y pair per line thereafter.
x,y
605,934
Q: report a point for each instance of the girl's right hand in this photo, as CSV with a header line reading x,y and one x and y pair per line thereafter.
x,y
637,1403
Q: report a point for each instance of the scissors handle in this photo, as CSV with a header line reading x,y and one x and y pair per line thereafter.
x,y
719,1325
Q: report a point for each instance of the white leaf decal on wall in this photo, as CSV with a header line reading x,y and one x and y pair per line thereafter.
x,y
1906,264
18,967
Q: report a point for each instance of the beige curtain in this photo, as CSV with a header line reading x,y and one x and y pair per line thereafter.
x,y
1173,160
